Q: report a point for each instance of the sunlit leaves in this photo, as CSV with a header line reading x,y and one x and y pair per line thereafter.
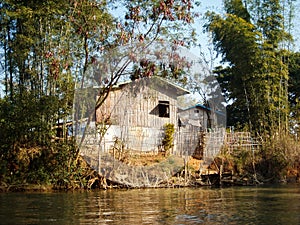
x,y
159,19
256,80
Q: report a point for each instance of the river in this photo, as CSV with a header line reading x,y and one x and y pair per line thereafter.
x,y
235,205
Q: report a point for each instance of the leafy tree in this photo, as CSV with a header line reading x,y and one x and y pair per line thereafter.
x,y
255,82
294,91
42,49
168,139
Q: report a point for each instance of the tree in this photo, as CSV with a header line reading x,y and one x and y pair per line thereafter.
x,y
294,91
42,51
256,79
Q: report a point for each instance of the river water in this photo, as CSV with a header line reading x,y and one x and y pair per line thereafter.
x,y
234,205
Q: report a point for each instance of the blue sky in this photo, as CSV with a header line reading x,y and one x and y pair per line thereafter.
x,y
204,50
217,6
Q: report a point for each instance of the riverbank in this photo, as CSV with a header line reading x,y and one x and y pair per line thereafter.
x,y
60,167
212,180
212,176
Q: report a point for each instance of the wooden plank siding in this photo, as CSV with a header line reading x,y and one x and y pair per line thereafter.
x,y
137,107
137,112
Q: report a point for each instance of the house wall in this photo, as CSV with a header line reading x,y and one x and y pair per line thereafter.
x,y
134,138
127,107
195,117
133,115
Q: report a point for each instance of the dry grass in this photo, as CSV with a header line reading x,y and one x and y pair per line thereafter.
x,y
144,160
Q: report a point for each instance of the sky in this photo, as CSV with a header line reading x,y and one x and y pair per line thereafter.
x,y
217,6
206,5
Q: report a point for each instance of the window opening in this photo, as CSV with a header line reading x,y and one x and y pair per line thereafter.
x,y
164,109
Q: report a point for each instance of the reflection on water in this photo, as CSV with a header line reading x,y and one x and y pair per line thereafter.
x,y
238,205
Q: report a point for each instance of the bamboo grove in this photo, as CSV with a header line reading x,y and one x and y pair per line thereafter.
x,y
254,41
260,79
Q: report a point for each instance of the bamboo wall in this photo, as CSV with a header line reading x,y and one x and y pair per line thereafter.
x,y
195,116
137,107
131,113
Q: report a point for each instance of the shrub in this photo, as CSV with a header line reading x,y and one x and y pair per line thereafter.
x,y
168,139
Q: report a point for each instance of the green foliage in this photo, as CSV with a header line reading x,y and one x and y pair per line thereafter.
x,y
236,7
255,82
54,165
150,20
168,140
273,161
23,122
294,92
277,156
28,152
66,170
177,71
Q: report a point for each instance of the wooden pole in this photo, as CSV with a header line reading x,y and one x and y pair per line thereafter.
x,y
221,171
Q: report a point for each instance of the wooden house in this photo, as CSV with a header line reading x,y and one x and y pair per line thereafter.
x,y
136,112
197,117
200,117
196,123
